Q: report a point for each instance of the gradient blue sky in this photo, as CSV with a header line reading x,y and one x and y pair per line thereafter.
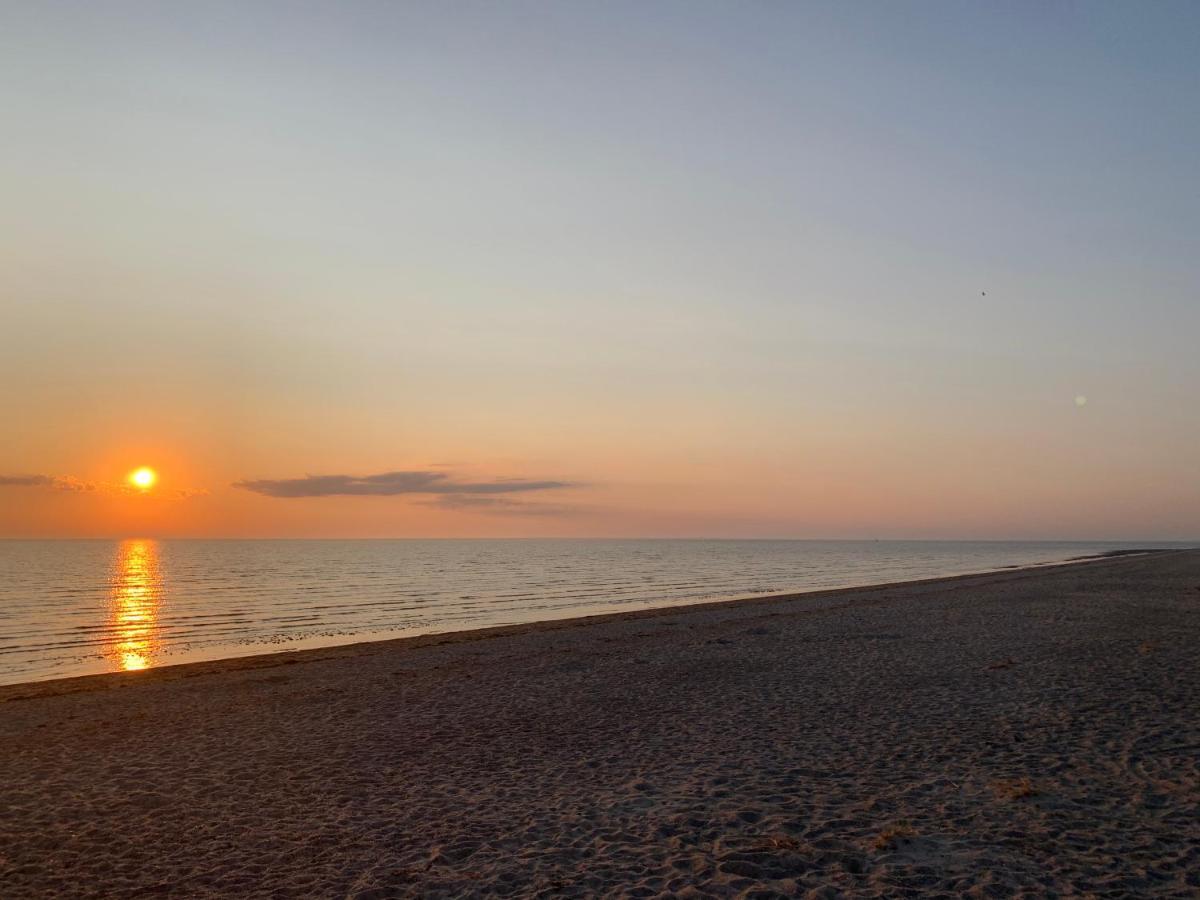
x,y
716,268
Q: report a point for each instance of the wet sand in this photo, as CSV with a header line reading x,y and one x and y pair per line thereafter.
x,y
1029,732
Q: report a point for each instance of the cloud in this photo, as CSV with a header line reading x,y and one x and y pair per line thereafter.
x,y
54,482
73,485
25,480
390,484
187,493
500,506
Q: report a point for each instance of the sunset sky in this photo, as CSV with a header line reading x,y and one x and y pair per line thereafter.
x,y
673,269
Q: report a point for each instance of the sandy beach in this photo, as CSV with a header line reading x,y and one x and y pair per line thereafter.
x,y
1028,733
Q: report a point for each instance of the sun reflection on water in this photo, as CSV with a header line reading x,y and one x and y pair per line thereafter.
x,y
134,601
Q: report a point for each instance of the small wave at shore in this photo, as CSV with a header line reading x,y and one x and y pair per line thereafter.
x,y
78,607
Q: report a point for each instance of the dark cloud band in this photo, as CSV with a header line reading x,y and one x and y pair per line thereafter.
x,y
389,484
25,480
54,482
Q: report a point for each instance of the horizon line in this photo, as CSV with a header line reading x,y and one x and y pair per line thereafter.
x,y
561,538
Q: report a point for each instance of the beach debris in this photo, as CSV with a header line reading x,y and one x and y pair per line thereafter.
x,y
893,834
1014,788
780,842
1007,663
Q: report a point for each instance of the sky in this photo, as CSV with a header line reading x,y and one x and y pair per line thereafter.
x,y
827,270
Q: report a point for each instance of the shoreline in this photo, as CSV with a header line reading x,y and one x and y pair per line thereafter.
x,y
22,690
1022,732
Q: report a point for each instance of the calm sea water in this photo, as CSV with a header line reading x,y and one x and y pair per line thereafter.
x,y
78,607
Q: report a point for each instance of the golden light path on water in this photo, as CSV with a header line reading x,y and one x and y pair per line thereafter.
x,y
77,608
135,597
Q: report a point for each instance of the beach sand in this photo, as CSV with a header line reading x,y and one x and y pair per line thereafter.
x,y
1032,732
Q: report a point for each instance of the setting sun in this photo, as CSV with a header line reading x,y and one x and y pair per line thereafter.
x,y
143,478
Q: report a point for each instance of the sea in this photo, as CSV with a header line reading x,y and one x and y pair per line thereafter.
x,y
80,607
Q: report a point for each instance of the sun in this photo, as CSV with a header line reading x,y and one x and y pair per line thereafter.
x,y
143,478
